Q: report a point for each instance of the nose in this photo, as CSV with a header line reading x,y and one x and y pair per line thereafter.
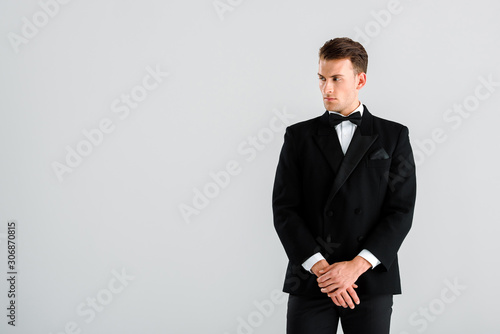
x,y
328,87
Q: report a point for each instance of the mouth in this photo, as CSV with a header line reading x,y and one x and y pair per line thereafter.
x,y
329,98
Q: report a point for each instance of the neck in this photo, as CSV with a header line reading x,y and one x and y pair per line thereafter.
x,y
348,111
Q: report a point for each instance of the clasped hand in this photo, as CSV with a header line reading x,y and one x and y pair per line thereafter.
x,y
338,281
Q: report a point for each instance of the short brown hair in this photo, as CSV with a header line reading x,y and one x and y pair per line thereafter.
x,y
344,47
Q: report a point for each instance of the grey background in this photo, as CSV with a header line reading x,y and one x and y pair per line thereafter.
x,y
229,73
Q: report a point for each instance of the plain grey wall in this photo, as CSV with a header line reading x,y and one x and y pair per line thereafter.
x,y
118,118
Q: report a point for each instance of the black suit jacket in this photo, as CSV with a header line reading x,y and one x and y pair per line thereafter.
x,y
338,205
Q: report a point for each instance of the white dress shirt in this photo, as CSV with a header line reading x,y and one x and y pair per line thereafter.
x,y
345,132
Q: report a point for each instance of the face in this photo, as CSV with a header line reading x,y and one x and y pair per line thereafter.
x,y
340,85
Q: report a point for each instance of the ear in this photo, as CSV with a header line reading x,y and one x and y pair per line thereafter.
x,y
361,80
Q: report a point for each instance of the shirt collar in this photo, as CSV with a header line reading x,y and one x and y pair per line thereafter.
x,y
359,108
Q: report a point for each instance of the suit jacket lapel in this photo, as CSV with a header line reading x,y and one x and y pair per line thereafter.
x,y
361,141
328,143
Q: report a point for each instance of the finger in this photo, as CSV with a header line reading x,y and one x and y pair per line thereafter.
x,y
323,284
353,295
322,278
328,289
325,269
332,286
354,286
325,277
326,283
334,299
347,300
341,301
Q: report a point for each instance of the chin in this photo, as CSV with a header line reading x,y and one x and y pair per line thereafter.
x,y
331,106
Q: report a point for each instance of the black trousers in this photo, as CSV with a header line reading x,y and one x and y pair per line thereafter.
x,y
319,315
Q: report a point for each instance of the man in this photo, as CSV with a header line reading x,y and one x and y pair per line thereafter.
x,y
343,202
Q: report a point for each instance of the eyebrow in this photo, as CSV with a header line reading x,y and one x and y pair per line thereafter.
x,y
333,76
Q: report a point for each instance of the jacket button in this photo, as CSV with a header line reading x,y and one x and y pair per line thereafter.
x,y
361,238
357,211
329,213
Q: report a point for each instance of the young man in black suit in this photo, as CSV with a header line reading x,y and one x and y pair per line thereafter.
x,y
343,202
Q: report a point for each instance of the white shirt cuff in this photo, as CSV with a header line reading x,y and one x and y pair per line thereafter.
x,y
310,262
368,256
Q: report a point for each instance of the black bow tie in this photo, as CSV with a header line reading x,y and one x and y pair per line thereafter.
x,y
336,119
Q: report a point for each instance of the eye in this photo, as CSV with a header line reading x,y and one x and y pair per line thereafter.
x,y
336,79
322,78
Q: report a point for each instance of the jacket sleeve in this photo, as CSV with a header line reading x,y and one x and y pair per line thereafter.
x,y
297,240
397,210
